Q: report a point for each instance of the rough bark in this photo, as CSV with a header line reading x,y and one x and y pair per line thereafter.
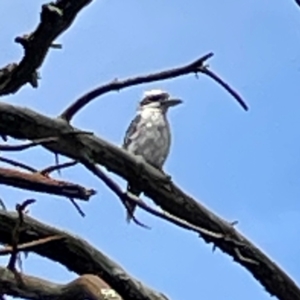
x,y
30,287
77,255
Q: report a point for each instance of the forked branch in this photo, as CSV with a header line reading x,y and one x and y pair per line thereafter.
x,y
197,66
56,17
77,255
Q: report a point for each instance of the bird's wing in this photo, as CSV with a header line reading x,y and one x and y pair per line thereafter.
x,y
132,131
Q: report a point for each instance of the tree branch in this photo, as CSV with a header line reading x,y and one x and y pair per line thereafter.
x,y
125,196
29,287
77,255
25,146
196,66
30,245
18,164
56,17
44,184
20,123
58,167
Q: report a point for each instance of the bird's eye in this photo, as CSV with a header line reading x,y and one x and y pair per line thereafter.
x,y
151,99
155,98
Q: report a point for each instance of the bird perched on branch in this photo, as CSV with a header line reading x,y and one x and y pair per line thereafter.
x,y
148,134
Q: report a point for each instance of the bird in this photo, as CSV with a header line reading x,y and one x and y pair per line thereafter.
x,y
149,134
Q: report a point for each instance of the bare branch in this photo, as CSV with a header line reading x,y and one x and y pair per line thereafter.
x,y
18,164
124,197
29,246
116,85
85,287
55,19
57,167
226,86
77,207
44,184
28,145
113,186
20,123
76,255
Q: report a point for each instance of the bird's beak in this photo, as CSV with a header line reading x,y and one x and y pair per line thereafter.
x,y
173,102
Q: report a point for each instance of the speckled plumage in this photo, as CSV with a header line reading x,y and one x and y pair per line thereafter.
x,y
148,135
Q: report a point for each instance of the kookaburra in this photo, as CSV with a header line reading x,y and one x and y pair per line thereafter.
x,y
148,134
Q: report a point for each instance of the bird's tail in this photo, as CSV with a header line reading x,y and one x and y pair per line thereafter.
x,y
131,206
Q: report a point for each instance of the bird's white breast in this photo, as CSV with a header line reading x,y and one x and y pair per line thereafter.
x,y
153,137
152,116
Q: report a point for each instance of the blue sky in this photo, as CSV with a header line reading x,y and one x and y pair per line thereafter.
x,y
243,166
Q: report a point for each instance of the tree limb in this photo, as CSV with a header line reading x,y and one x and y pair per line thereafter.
x,y
20,123
18,164
77,255
56,17
44,184
27,145
30,245
125,196
34,288
196,66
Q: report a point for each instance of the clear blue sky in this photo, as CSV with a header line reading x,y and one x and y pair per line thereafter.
x,y
243,166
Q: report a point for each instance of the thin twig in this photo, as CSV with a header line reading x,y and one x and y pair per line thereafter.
x,y
42,141
76,205
18,164
226,86
116,85
55,167
56,158
30,245
113,186
173,219
28,145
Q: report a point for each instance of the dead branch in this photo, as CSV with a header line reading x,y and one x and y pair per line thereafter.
x,y
18,164
87,286
114,187
76,255
16,234
29,246
56,17
28,145
124,197
77,207
164,193
58,167
44,184
196,66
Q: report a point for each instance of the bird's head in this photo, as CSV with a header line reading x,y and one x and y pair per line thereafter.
x,y
158,99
